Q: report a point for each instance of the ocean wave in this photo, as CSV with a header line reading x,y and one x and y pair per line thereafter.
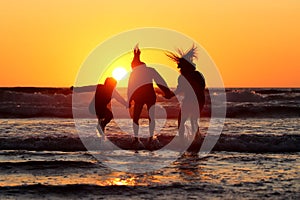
x,y
251,95
93,191
30,165
235,143
277,90
35,98
72,191
262,110
57,102
243,96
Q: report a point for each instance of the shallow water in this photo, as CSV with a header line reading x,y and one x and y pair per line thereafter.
x,y
74,173
221,174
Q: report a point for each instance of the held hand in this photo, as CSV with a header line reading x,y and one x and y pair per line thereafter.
x,y
169,95
127,105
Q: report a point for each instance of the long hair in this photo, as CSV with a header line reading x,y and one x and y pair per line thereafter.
x,y
183,59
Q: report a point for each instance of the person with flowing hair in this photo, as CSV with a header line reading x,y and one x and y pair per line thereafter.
x,y
191,84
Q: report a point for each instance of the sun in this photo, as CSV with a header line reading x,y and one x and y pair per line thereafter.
x,y
119,73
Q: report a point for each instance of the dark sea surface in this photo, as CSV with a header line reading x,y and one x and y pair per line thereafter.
x,y
241,102
42,155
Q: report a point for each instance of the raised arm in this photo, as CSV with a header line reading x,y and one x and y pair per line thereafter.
x,y
161,83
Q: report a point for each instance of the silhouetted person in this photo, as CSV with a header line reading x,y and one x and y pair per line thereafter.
x,y
191,84
99,105
141,91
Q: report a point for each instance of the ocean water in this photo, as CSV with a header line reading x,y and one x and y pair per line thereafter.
x,y
241,102
42,156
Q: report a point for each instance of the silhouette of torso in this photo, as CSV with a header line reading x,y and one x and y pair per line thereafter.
x,y
102,98
197,83
140,86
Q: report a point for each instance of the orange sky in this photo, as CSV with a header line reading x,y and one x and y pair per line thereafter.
x,y
254,43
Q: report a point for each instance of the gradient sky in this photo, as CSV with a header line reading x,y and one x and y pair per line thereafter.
x,y
254,43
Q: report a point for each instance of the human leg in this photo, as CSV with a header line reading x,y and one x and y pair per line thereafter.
x,y
107,118
100,127
136,116
151,113
104,117
179,119
194,125
181,124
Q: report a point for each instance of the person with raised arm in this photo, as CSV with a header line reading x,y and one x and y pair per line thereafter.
x,y
141,92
